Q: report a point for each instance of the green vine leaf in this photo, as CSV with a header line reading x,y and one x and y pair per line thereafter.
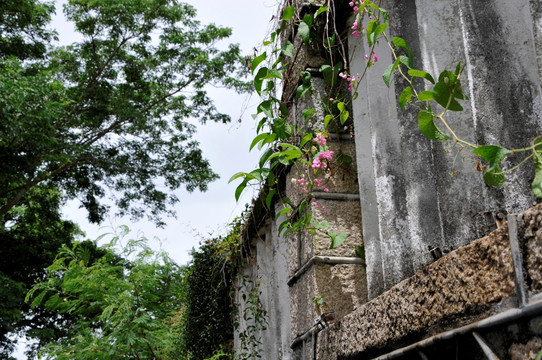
x,y
236,176
257,61
240,188
308,137
405,60
265,156
360,251
344,116
421,74
443,95
379,29
272,40
405,97
327,119
336,239
428,127
288,49
307,114
400,42
284,211
494,176
320,10
288,13
320,225
269,198
369,30
493,154
330,73
306,86
304,28
389,72
266,107
426,95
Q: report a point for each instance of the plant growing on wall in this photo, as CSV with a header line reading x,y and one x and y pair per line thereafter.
x,y
303,148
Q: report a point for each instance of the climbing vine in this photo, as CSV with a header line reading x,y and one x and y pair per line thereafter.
x,y
303,147
212,312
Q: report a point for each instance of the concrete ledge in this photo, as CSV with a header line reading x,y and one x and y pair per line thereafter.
x,y
460,288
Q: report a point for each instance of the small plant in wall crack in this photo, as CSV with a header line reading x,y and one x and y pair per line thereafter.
x,y
255,320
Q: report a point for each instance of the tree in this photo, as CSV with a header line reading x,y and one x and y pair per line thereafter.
x,y
30,234
125,305
113,111
23,31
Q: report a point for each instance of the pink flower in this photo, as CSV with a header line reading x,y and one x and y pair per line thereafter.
x,y
328,154
355,25
351,3
355,33
316,164
375,58
356,9
326,189
321,140
366,57
331,99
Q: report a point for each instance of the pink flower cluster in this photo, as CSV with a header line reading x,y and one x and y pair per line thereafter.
x,y
373,57
320,139
356,25
354,4
317,163
318,206
303,184
350,79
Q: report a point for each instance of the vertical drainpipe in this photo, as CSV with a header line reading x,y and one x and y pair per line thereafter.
x,y
519,278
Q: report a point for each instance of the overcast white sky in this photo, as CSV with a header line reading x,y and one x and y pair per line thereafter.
x,y
200,215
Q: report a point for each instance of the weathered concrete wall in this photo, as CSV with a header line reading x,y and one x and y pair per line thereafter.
x,y
268,271
399,199
410,201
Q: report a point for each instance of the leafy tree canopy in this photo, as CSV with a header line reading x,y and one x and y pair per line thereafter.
x,y
126,305
112,111
23,31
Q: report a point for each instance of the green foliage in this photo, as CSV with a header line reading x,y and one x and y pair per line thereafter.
x,y
336,239
31,233
23,32
493,155
125,304
209,309
112,111
429,129
254,317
